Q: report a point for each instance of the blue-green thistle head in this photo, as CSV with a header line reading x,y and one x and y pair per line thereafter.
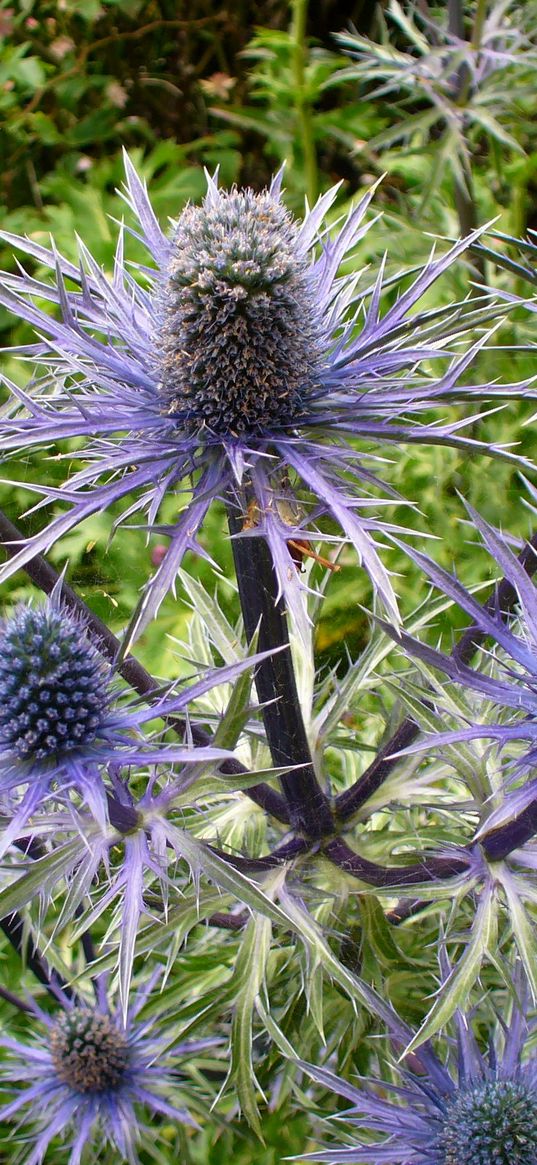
x,y
240,339
492,1123
88,1050
54,692
468,1108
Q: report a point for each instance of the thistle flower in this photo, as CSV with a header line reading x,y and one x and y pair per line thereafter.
x,y
87,1074
476,1110
248,365
61,727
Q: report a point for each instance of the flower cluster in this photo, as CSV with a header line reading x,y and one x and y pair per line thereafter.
x,y
88,1074
242,367
250,361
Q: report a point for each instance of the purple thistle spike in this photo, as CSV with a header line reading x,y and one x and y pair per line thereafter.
x,y
512,684
249,356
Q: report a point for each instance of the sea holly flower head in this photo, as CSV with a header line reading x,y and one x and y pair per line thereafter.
x,y
240,333
54,692
88,1050
89,1076
63,726
475,1110
244,371
494,1121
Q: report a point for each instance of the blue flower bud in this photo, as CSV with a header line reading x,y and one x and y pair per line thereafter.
x,y
53,684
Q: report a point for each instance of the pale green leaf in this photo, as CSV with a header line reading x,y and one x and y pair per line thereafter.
x,y
456,988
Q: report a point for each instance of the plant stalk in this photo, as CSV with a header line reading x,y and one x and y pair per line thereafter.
x,y
302,103
264,614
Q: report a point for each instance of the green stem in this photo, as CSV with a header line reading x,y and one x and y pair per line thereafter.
x,y
479,21
464,187
302,103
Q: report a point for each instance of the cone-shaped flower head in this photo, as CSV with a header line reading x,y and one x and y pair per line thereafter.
x,y
474,1110
89,1077
89,1052
245,370
240,336
62,722
494,1123
54,685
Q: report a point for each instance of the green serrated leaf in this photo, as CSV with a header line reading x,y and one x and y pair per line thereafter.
x,y
455,990
378,935
249,976
222,635
523,929
42,876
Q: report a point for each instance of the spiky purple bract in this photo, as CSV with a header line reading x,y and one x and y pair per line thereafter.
x,y
248,366
511,683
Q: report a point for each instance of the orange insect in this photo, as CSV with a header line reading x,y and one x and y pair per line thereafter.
x,y
298,548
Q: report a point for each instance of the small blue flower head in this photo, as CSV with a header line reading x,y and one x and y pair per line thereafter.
x,y
54,685
242,366
492,1123
87,1076
89,1052
62,725
476,1110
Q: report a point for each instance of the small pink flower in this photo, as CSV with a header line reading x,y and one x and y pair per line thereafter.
x,y
158,553
116,94
6,21
61,46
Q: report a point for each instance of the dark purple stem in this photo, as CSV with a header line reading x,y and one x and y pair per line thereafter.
x,y
228,921
378,771
15,1001
264,615
499,843
429,868
284,853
